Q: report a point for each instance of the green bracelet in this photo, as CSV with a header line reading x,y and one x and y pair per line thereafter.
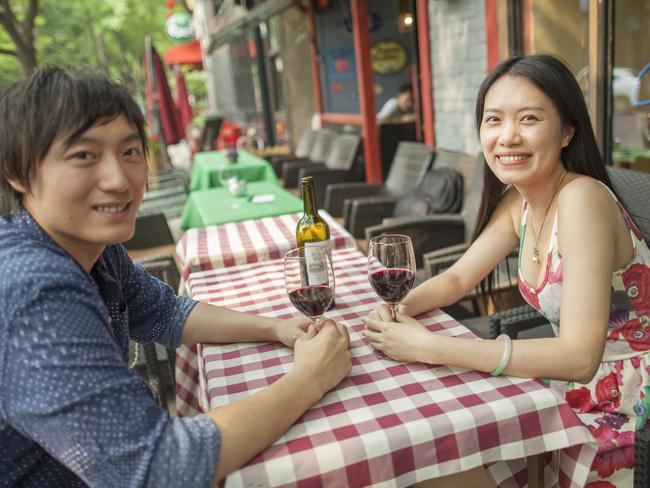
x,y
505,357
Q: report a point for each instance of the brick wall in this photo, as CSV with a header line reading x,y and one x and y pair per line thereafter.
x,y
459,64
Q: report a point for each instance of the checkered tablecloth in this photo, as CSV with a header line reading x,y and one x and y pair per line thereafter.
x,y
387,423
250,241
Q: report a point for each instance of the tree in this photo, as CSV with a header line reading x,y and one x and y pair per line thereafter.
x,y
21,32
103,34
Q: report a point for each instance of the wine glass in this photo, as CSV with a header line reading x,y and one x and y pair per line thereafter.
x,y
391,268
309,279
228,178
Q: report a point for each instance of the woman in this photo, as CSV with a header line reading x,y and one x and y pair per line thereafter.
x,y
582,262
73,173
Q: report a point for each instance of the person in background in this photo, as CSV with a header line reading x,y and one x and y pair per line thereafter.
x,y
583,263
72,413
398,108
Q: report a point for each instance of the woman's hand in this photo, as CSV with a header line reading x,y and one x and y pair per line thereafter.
x,y
323,355
288,331
404,340
382,312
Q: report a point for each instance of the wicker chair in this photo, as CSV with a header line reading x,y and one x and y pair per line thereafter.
x,y
150,231
161,381
320,148
340,161
362,204
633,188
438,231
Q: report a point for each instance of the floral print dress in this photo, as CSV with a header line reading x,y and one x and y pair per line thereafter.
x,y
616,402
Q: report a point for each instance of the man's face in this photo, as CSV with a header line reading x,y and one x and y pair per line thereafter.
x,y
405,101
86,196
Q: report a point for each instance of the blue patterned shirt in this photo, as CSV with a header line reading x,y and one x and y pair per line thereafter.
x,y
71,411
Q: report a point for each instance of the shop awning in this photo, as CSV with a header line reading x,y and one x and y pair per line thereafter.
x,y
189,53
251,20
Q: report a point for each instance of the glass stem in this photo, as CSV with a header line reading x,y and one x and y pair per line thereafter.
x,y
315,322
393,312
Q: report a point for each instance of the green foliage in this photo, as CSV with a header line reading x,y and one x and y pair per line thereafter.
x,y
103,34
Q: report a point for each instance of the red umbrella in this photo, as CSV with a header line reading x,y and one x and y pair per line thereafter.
x,y
182,101
161,110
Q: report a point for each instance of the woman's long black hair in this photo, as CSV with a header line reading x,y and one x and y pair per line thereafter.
x,y
555,80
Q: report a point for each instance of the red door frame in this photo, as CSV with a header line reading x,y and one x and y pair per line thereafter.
x,y
361,34
426,85
491,34
365,119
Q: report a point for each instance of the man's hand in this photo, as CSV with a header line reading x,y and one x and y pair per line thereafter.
x,y
288,331
323,356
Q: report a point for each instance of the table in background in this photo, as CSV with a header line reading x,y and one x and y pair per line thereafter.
x,y
637,158
387,422
212,207
206,167
250,241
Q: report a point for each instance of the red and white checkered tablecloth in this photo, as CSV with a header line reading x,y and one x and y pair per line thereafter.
x,y
220,246
387,423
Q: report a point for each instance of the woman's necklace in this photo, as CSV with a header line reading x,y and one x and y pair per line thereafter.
x,y
537,234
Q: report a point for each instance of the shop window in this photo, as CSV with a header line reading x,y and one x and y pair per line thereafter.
x,y
631,86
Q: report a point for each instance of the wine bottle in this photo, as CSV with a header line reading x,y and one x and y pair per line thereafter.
x,y
312,232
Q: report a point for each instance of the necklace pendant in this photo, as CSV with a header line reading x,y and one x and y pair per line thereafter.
x,y
535,254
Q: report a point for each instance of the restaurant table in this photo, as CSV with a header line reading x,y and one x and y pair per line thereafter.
x,y
628,156
212,207
206,167
387,423
250,241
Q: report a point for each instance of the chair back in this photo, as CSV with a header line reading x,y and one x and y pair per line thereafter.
x,y
439,192
390,135
344,152
410,164
471,167
322,145
305,143
150,231
633,188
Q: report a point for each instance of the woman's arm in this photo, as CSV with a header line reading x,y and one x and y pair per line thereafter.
x,y
496,241
587,233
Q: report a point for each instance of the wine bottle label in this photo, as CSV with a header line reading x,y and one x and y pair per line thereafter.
x,y
317,261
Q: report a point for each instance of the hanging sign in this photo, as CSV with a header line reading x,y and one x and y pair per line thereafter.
x,y
179,27
388,57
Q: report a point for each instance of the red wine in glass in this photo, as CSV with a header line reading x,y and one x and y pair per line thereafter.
x,y
392,284
312,301
391,268
309,280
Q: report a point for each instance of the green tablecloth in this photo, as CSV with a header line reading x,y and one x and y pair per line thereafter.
x,y
206,166
213,206
629,154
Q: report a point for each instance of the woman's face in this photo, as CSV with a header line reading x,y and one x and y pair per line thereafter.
x,y
521,132
86,195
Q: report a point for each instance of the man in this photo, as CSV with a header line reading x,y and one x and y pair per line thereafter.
x,y
398,108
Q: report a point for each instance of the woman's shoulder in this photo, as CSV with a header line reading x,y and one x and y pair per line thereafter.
x,y
581,190
586,201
